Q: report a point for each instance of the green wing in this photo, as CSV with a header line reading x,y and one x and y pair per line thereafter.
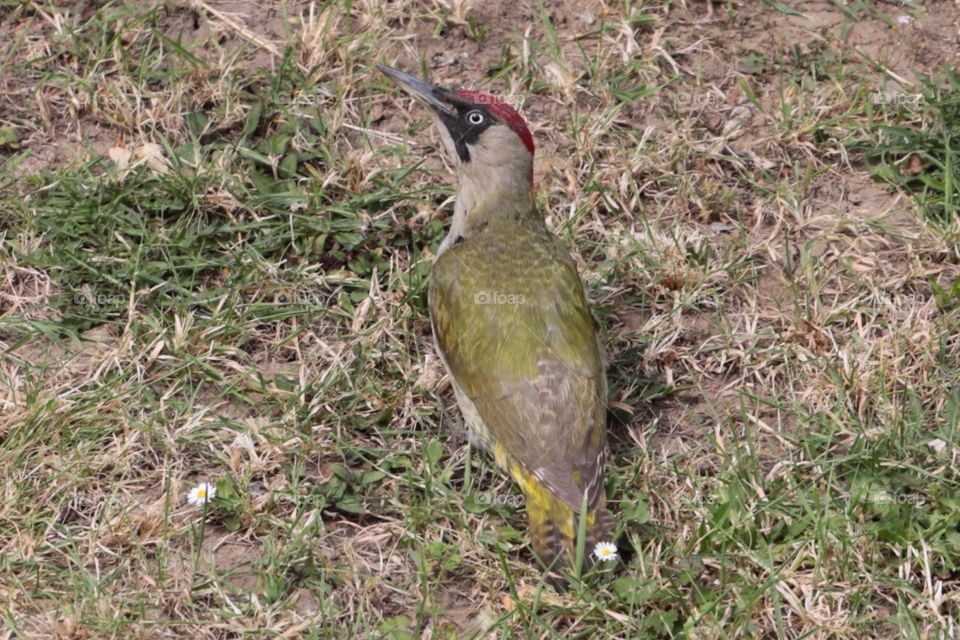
x,y
512,323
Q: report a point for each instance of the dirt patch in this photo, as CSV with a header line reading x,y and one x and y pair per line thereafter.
x,y
235,561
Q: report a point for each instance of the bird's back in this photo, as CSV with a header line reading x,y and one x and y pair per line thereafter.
x,y
512,323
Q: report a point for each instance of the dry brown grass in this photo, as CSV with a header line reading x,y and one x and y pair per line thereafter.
x,y
212,267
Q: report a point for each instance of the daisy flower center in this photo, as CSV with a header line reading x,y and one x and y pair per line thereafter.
x,y
605,551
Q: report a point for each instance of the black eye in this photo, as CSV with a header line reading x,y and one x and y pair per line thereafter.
x,y
475,117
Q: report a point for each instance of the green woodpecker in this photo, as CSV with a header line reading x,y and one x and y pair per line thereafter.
x,y
512,325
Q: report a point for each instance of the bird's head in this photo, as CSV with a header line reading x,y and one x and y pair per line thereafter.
x,y
482,133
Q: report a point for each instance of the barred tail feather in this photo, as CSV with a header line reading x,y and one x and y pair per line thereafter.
x,y
553,523
553,530
600,525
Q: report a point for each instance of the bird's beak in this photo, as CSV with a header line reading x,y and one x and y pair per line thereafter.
x,y
433,96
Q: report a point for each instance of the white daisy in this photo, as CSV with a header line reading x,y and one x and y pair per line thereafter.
x,y
201,494
605,551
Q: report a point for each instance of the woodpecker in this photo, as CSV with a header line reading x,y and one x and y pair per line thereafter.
x,y
512,326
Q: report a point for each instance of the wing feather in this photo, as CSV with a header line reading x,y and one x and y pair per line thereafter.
x,y
531,366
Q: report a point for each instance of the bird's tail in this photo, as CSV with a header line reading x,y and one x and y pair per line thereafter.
x,y
554,525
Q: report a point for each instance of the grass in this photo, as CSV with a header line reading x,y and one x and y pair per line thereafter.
x,y
915,146
216,232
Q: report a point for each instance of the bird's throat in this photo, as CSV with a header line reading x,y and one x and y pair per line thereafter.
x,y
485,199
